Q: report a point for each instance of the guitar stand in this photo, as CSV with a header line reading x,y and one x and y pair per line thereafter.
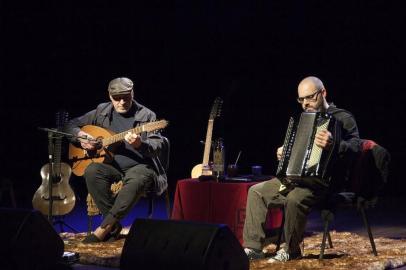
x,y
59,220
54,220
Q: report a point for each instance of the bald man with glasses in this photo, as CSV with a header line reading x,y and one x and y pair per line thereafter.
x,y
299,200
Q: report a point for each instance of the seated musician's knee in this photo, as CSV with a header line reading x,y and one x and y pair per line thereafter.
x,y
254,190
92,170
292,199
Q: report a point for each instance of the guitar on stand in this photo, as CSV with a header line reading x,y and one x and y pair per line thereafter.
x,y
55,197
204,169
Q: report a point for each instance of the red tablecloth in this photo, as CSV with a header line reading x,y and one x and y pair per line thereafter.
x,y
215,202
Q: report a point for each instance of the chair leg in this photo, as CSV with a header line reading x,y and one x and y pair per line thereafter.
x,y
366,223
278,243
330,243
323,243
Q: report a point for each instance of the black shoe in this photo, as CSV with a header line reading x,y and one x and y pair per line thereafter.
x,y
91,239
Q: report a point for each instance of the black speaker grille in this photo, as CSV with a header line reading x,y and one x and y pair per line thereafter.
x,y
168,244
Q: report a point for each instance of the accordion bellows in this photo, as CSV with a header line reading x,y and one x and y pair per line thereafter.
x,y
301,157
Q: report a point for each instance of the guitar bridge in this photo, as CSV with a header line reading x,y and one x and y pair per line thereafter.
x,y
54,198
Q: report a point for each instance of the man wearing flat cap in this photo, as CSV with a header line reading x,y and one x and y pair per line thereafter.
x,y
134,162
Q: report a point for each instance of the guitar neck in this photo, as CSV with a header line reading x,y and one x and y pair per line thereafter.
x,y
120,136
61,118
207,144
57,156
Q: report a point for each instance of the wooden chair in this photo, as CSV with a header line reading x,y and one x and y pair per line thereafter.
x,y
366,177
92,209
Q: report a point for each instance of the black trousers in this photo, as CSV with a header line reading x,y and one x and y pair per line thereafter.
x,y
298,203
136,181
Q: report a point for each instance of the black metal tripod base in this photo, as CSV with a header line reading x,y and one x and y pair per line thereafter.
x,y
60,221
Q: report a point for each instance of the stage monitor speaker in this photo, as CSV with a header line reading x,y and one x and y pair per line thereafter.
x,y
28,240
168,244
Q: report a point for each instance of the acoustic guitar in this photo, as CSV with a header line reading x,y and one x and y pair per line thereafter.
x,y
63,197
204,168
106,141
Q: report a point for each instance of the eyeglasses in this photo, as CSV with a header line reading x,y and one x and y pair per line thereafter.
x,y
312,97
122,97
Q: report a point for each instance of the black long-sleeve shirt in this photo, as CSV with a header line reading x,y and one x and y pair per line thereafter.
x,y
348,149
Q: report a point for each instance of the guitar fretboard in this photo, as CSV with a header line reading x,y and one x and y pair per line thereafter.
x,y
120,136
151,126
61,118
207,145
57,156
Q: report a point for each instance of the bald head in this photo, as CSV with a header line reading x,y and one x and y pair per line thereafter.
x,y
312,93
311,82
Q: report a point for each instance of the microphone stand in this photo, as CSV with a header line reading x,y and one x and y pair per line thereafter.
x,y
51,173
67,135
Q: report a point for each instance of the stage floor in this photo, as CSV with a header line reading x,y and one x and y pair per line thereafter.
x,y
387,220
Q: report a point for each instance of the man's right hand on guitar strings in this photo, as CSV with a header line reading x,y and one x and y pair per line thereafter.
x,y
89,143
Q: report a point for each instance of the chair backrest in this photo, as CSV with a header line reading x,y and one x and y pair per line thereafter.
x,y
370,171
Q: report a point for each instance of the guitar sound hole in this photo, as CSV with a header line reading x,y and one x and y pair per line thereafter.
x,y
56,179
99,143
91,153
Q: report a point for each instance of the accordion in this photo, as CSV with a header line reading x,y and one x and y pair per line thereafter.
x,y
301,157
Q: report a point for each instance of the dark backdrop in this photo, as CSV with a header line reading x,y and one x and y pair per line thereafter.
x,y
182,54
